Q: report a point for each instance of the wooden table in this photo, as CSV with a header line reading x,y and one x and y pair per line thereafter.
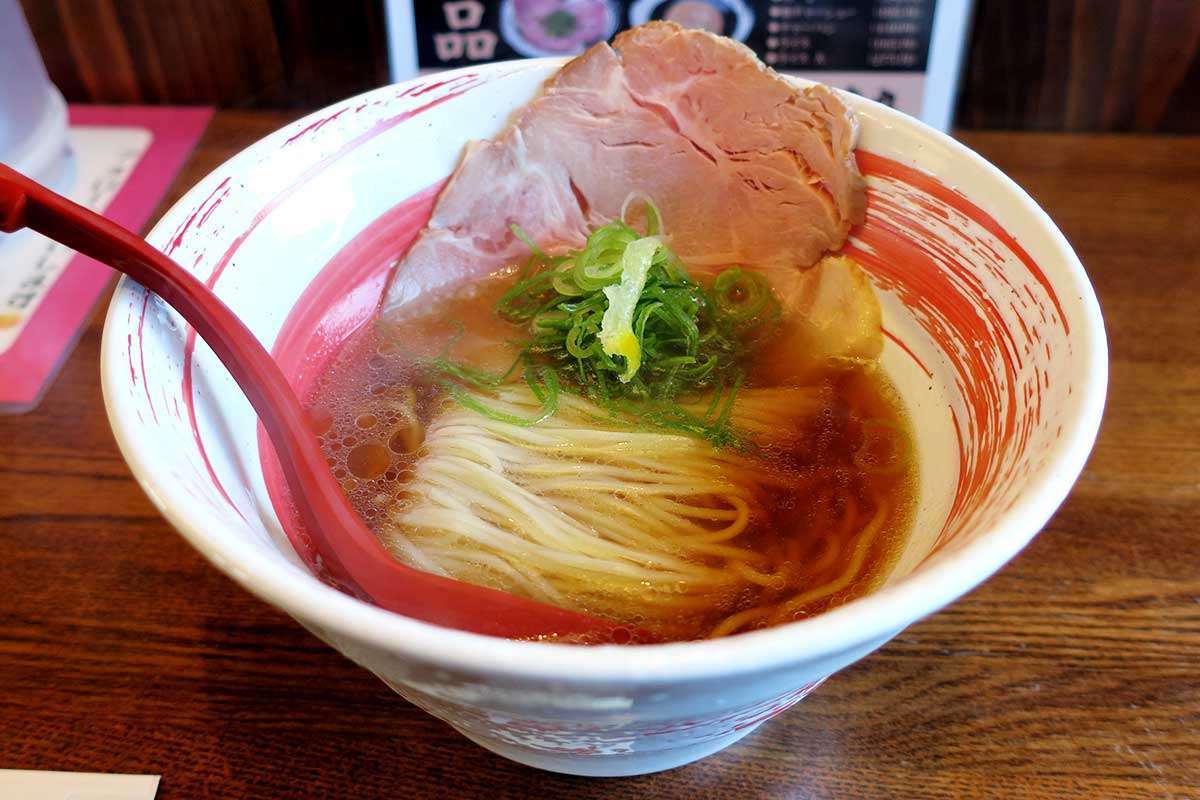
x,y
1075,672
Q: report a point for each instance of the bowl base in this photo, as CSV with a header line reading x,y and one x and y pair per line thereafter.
x,y
606,766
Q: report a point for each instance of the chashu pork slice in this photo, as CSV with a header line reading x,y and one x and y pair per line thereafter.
x,y
745,167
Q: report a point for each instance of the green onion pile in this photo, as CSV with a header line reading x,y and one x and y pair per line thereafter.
x,y
621,323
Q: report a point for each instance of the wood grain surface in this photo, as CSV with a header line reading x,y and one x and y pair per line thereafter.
x,y
1074,673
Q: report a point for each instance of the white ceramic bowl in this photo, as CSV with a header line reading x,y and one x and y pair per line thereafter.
x,y
994,337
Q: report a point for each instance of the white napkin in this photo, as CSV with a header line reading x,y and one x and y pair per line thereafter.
x,y
31,785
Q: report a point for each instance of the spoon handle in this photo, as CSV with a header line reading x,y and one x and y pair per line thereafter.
x,y
350,553
24,203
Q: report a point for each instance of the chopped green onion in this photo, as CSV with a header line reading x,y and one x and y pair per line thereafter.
x,y
621,323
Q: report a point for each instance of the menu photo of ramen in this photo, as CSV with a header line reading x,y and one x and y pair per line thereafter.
x,y
556,27
568,27
732,18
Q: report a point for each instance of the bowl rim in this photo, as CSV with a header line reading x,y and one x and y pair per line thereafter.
x,y
868,620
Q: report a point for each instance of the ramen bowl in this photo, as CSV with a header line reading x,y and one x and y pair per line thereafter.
x,y
993,337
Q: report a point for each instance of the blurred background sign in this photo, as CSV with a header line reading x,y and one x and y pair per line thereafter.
x,y
1067,65
904,53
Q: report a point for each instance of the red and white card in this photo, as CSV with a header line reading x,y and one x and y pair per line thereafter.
x,y
123,160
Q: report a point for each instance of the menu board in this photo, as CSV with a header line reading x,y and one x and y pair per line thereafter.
x,y
883,49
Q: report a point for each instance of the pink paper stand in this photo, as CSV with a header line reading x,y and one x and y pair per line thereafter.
x,y
124,159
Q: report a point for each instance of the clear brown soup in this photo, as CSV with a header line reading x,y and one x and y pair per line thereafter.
x,y
858,457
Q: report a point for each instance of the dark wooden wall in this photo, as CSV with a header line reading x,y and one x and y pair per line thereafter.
x,y
1130,65
230,53
1083,65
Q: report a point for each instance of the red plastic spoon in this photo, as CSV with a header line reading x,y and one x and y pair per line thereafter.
x,y
350,552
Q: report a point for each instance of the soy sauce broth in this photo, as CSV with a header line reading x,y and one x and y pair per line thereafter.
x,y
859,454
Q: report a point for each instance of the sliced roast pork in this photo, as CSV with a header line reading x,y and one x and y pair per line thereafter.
x,y
745,167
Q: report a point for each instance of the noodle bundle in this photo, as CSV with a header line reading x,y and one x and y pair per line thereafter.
x,y
588,511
